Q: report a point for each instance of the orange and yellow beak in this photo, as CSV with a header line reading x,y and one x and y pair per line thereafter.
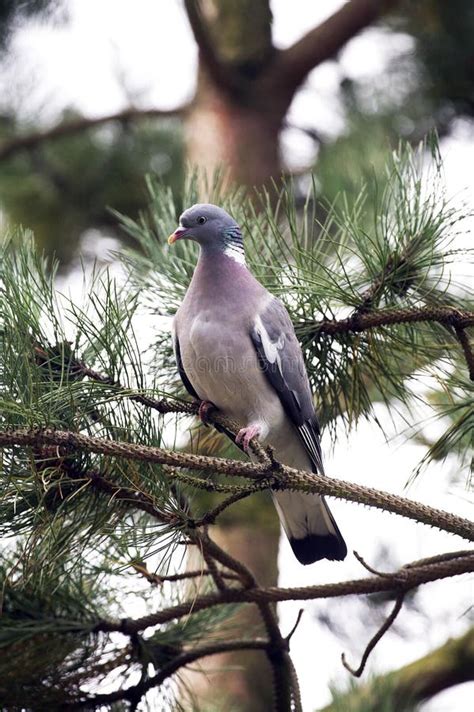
x,y
177,235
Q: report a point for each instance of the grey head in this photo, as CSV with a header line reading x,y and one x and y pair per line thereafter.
x,y
212,228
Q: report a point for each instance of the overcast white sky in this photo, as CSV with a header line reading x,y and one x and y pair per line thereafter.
x,y
146,46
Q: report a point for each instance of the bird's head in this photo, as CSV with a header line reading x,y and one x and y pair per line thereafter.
x,y
212,228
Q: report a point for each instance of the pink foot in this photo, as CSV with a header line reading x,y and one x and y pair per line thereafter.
x,y
205,408
245,435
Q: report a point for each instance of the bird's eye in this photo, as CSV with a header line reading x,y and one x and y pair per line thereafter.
x,y
202,220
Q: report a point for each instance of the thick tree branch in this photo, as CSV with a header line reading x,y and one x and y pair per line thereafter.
x,y
325,40
71,127
283,477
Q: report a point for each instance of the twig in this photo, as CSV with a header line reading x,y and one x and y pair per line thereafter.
x,y
246,577
211,516
210,561
210,485
373,642
158,579
297,622
370,568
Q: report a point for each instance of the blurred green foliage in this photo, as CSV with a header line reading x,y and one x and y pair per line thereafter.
x,y
64,187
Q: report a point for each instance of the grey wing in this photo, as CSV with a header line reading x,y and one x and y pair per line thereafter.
x,y
179,363
281,360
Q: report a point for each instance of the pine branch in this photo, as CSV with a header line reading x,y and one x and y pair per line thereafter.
x,y
327,39
283,477
32,140
284,682
362,320
406,578
359,322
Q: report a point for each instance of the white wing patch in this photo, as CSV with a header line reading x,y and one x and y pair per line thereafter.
x,y
270,348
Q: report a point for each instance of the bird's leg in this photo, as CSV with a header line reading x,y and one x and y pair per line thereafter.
x,y
205,408
245,435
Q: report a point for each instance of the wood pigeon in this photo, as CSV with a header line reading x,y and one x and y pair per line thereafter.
x,y
236,349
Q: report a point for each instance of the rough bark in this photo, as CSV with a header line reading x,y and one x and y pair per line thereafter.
x,y
235,119
239,139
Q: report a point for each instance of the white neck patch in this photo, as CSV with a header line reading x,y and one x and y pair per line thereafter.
x,y
235,253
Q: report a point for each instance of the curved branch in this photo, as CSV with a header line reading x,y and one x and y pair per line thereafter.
x,y
466,348
69,128
190,656
376,638
325,40
284,477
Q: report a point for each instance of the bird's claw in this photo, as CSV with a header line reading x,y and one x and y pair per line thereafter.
x,y
205,408
245,435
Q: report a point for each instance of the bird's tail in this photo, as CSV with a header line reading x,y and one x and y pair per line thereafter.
x,y
309,526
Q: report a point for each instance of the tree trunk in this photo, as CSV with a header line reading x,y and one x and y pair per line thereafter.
x,y
242,681
238,140
235,119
